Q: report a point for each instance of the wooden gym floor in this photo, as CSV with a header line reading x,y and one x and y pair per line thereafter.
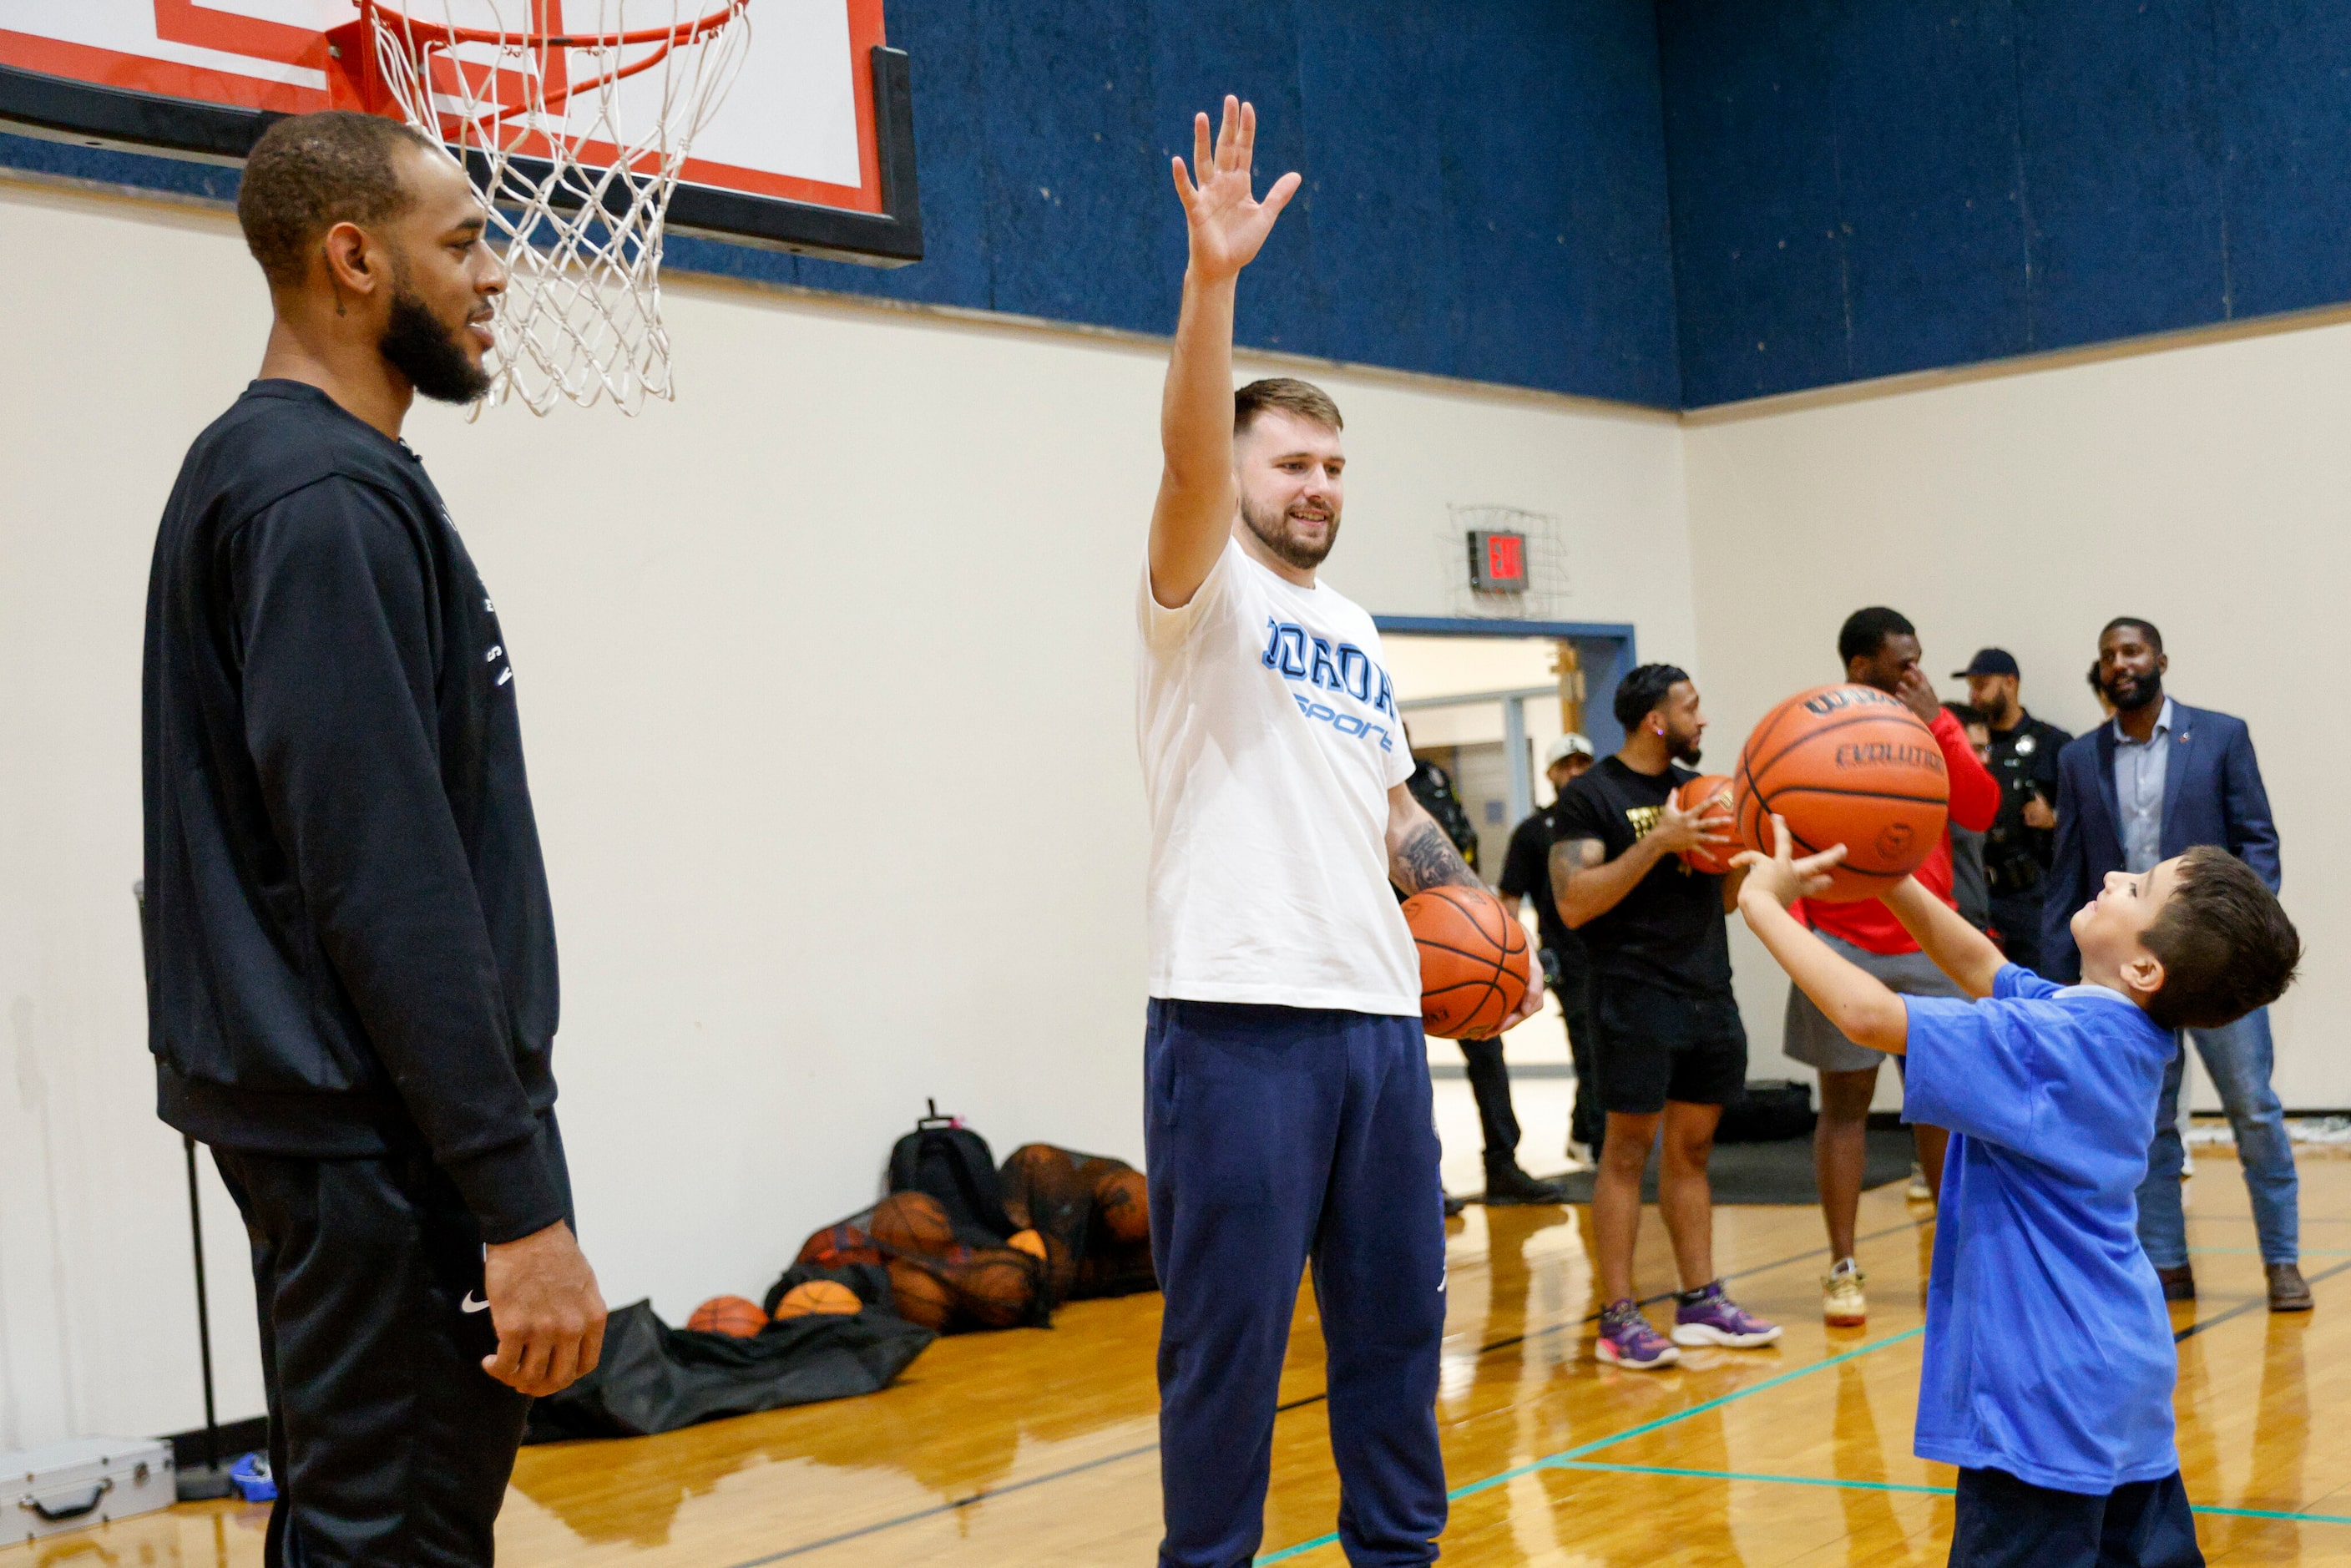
x,y
1037,1447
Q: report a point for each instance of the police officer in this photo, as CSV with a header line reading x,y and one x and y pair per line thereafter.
x,y
2024,760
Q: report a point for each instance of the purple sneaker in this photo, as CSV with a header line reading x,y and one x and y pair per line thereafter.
x,y
1627,1340
1708,1316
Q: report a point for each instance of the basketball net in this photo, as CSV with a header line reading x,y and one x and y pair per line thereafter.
x,y
572,119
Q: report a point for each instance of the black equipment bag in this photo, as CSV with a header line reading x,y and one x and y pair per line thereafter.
x,y
1770,1111
949,1162
655,1378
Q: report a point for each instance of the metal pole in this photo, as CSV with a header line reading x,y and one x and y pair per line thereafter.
x,y
204,1309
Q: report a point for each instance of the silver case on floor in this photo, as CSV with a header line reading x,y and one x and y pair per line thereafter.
x,y
80,1483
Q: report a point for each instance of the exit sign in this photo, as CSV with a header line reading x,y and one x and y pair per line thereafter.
x,y
1498,561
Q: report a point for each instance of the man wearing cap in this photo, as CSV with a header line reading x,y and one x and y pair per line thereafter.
x,y
1526,873
2023,760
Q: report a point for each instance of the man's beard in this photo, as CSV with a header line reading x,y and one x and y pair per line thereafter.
x,y
2130,694
432,358
1685,748
2001,712
1273,531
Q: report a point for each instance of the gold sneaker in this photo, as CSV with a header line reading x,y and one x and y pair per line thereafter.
x,y
1842,1303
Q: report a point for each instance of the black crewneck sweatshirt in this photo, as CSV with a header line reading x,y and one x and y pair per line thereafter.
x,y
350,946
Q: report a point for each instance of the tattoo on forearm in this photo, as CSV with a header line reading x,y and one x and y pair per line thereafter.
x,y
1428,859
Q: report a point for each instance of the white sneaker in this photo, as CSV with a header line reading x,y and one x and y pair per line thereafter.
x,y
1843,1305
1919,1191
1579,1155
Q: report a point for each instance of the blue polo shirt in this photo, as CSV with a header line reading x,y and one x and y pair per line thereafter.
x,y
2049,1354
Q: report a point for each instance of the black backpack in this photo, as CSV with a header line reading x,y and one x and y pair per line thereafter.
x,y
948,1161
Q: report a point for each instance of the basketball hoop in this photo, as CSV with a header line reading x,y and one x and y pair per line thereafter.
x,y
575,137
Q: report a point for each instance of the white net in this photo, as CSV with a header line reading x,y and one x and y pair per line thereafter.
x,y
574,118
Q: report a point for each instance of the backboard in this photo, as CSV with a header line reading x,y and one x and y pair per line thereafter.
x,y
811,150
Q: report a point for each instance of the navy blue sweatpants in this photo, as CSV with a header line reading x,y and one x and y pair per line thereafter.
x,y
1276,1136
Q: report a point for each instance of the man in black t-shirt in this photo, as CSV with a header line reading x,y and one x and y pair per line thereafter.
x,y
2023,758
1526,873
1667,1044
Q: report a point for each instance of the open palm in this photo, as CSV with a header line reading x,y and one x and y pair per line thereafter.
x,y
1228,223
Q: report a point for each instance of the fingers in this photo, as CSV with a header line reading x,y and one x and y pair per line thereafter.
x,y
593,1351
1203,157
1746,858
1248,148
538,1350
1229,133
562,1363
506,1365
1784,842
1278,197
1186,192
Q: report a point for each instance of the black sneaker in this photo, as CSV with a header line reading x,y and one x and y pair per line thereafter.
x,y
1454,1206
1507,1185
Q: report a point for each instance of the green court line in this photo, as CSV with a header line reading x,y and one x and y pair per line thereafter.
x,y
1839,1481
1555,1461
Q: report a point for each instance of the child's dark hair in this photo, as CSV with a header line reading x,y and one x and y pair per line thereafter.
x,y
1643,692
2225,943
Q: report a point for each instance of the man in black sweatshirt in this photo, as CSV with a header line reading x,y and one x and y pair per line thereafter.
x,y
350,956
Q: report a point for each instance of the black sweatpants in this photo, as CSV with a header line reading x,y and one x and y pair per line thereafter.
x,y
390,1446
2001,1521
1490,1085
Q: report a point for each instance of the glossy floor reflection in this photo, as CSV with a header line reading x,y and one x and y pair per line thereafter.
x,y
1036,1447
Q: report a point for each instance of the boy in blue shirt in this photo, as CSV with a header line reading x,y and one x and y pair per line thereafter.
x,y
2049,1361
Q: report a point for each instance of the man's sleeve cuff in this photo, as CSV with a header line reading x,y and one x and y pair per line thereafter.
x,y
509,1190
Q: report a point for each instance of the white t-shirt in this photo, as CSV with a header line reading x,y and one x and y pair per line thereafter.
x,y
1269,741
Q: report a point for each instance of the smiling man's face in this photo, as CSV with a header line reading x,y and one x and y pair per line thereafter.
x,y
1289,469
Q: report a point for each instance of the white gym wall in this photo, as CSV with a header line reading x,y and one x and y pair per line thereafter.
x,y
828,695
2206,485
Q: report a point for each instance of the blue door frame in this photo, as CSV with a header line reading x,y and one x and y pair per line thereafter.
x,y
1606,648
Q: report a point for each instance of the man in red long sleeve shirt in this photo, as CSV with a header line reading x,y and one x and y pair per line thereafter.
x,y
1880,649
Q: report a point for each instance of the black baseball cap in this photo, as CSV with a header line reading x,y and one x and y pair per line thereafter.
x,y
1989,661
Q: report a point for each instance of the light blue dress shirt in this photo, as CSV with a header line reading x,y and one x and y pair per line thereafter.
x,y
2139,769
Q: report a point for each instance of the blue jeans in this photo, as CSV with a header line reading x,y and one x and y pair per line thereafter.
x,y
2238,1058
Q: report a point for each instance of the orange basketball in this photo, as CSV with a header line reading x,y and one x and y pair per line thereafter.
x,y
912,1222
837,1247
1851,766
1027,1241
817,1298
1122,1199
728,1316
997,1287
1692,797
1474,960
918,1295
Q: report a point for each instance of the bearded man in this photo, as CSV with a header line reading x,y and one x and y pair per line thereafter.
x,y
350,959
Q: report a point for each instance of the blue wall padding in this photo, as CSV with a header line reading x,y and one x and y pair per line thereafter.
x,y
1675,204
1864,190
1486,191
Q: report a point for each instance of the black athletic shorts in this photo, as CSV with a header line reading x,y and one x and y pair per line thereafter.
x,y
1651,1045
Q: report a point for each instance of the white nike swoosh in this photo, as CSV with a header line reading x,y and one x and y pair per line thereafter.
x,y
471,1305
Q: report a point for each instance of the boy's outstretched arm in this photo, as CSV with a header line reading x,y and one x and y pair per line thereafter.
x,y
1958,949
1849,997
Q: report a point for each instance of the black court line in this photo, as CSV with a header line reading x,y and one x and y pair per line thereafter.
x,y
2242,1308
936,1510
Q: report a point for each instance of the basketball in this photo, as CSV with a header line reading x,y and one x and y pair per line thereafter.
x,y
1692,797
1474,960
919,1296
837,1247
1846,764
912,1222
1027,1241
998,1287
817,1298
1122,1199
730,1315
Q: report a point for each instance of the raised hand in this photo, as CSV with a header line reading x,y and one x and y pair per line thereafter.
x,y
1708,827
1780,876
1228,223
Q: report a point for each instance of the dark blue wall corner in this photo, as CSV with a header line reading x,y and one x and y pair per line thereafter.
x,y
1861,191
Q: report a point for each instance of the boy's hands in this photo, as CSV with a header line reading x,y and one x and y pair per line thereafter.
x,y
1228,223
1782,878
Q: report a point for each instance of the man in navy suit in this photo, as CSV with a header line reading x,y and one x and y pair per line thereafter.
x,y
2160,778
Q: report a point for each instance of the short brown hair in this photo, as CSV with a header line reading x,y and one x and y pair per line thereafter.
x,y
309,172
2224,941
1303,398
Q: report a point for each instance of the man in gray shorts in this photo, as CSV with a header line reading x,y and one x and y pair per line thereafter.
x,y
1880,649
